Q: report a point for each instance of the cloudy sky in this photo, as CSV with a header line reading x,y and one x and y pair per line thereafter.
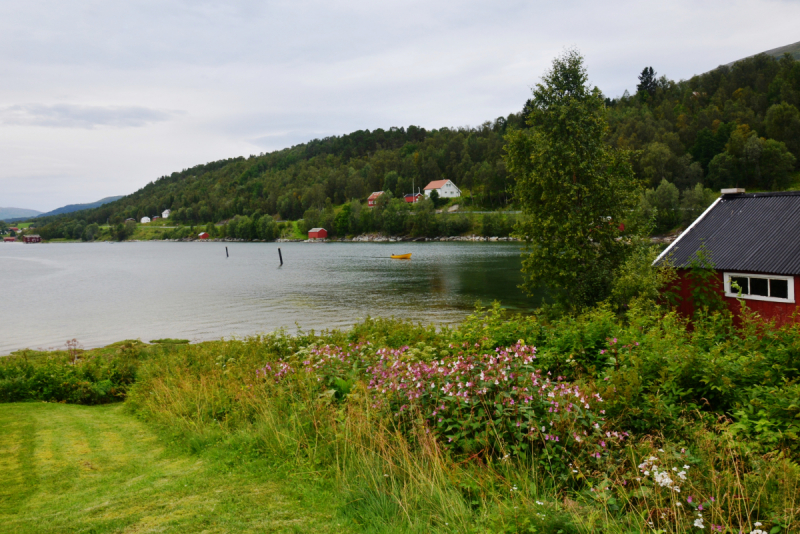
x,y
98,98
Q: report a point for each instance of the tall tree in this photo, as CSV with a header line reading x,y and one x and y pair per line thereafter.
x,y
573,188
647,81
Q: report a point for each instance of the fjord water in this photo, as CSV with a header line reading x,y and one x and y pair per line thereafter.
x,y
99,293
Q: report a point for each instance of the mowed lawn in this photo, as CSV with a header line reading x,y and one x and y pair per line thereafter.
x,y
67,468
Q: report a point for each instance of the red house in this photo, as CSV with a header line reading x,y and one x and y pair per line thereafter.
x,y
752,239
317,233
411,198
9,239
31,239
203,235
373,199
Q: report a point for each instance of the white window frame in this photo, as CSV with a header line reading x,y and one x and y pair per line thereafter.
x,y
735,294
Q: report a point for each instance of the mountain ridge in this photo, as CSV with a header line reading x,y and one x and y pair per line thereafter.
x,y
17,213
69,208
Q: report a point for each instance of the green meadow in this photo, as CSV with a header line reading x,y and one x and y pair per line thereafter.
x,y
70,468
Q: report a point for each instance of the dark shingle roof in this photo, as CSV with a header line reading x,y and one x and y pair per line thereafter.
x,y
757,232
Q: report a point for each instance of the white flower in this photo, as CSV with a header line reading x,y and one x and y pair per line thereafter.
x,y
699,523
756,524
539,503
686,467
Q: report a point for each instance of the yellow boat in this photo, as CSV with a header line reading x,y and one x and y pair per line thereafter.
x,y
401,256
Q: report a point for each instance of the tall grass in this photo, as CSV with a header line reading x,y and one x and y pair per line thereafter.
x,y
686,437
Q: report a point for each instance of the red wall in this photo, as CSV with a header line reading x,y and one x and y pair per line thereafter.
x,y
322,234
779,311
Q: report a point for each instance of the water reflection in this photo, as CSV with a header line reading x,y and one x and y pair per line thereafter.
x,y
101,293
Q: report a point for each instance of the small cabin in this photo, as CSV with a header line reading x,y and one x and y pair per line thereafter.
x,y
13,229
751,242
165,214
413,198
145,220
9,239
130,219
31,239
372,201
317,233
445,188
203,235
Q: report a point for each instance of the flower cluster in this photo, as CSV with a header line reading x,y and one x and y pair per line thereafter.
x,y
663,477
499,400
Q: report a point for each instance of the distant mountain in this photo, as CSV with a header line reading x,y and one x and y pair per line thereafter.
x,y
17,213
793,49
78,207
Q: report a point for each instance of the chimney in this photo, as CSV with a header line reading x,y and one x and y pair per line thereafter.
x,y
732,191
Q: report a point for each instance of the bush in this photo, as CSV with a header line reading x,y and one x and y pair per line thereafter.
x,y
74,376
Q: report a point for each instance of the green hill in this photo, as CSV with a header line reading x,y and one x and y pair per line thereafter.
x,y
737,125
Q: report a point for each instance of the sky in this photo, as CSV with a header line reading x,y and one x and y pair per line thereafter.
x,y
99,98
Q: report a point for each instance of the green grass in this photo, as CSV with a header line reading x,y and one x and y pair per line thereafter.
x,y
67,468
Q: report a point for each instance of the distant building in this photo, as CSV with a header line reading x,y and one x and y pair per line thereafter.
x,y
317,233
14,229
445,188
9,239
412,198
145,220
131,219
31,239
203,235
165,214
156,217
373,199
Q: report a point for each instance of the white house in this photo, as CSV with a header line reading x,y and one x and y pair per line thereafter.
x,y
165,214
446,189
145,220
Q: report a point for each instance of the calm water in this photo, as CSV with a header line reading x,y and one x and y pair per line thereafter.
x,y
100,293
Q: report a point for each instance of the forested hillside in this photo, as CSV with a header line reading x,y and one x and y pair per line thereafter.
x,y
734,126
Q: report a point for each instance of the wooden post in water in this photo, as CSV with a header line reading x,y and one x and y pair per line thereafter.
x,y
226,252
280,255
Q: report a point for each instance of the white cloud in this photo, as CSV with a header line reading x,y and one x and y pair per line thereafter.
x,y
75,116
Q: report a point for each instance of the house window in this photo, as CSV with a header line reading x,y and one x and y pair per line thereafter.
x,y
771,288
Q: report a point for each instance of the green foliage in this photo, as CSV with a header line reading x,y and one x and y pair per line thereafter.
x,y
636,278
74,376
574,190
720,399
704,284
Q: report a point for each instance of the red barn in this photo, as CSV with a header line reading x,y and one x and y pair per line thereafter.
x,y
203,235
411,198
752,240
31,239
9,239
373,199
317,233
